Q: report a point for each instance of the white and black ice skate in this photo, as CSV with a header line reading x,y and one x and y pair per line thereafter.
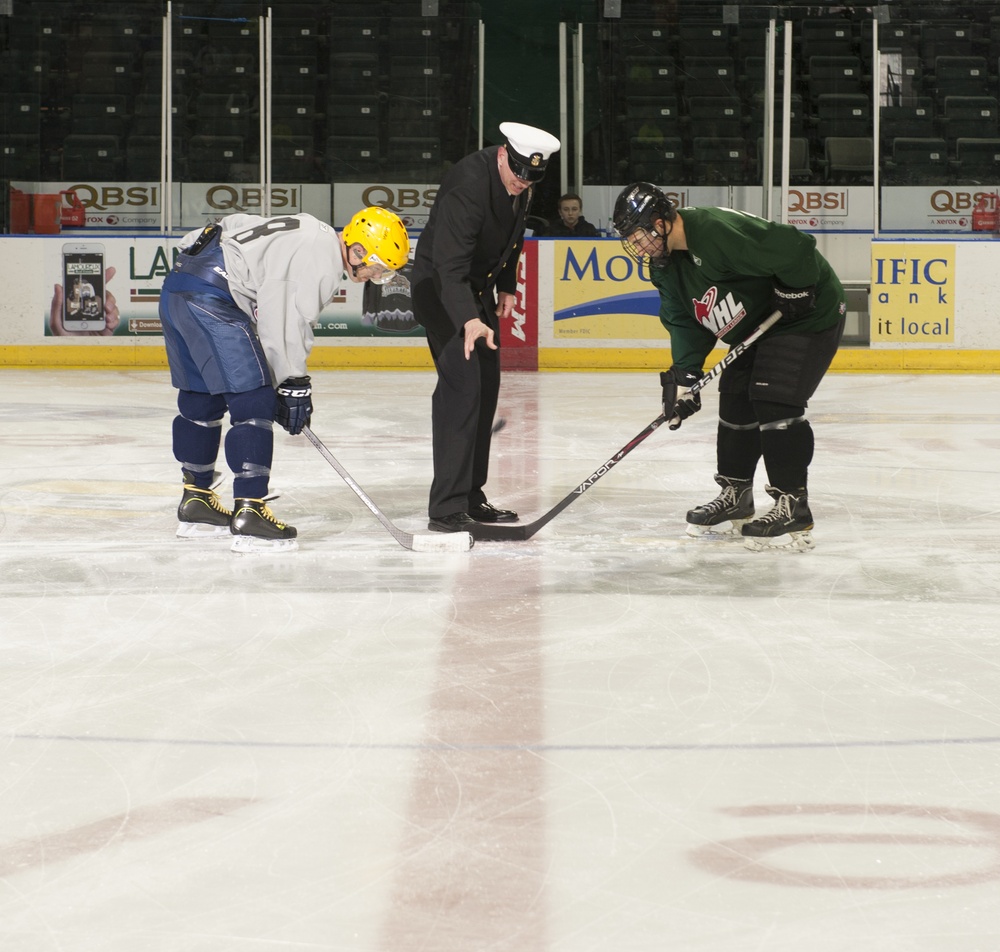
x,y
255,529
724,516
787,525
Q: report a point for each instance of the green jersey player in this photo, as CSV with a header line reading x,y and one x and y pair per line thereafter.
x,y
720,274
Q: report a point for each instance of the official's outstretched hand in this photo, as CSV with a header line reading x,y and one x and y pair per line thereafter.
x,y
475,329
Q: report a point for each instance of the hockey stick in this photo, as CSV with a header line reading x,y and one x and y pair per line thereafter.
x,y
493,533
439,542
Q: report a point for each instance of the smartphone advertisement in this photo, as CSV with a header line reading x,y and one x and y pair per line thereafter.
x,y
83,287
111,288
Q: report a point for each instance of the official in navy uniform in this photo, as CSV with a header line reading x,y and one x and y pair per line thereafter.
x,y
464,283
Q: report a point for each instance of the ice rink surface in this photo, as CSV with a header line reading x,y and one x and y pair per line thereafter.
x,y
605,738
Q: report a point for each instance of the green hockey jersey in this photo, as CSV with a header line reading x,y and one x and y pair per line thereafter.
x,y
721,287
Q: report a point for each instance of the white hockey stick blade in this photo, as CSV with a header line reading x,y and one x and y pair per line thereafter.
x,y
437,542
442,542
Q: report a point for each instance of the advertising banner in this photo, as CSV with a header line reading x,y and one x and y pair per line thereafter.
x,y
833,208
913,294
600,293
138,206
599,200
111,287
830,208
932,209
411,202
201,202
519,336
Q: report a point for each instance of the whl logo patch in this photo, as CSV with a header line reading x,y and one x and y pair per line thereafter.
x,y
719,317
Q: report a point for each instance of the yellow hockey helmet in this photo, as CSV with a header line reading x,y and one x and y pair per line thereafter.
x,y
382,235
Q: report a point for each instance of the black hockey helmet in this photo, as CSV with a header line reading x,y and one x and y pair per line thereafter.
x,y
638,208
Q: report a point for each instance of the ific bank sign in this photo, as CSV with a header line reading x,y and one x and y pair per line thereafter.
x,y
913,293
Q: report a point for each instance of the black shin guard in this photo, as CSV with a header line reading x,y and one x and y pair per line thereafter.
x,y
787,442
738,442
738,451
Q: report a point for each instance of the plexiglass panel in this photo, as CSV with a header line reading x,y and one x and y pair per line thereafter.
x,y
389,94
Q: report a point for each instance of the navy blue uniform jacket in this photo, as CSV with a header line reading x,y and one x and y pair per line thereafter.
x,y
470,246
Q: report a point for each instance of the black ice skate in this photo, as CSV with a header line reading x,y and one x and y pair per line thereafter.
x,y
255,529
726,514
201,514
785,526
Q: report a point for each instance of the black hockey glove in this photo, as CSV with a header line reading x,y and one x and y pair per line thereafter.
x,y
678,401
793,302
295,406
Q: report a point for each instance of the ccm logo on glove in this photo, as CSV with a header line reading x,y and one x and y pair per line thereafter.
x,y
295,407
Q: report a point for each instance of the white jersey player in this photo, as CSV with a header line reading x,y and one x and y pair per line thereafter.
x,y
238,312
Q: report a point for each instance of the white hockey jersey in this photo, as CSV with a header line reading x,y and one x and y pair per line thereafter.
x,y
282,272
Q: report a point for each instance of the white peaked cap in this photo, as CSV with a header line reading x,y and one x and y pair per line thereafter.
x,y
528,149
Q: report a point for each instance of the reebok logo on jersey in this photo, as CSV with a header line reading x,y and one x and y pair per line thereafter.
x,y
719,317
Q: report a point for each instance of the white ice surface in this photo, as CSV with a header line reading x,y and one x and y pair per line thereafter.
x,y
609,737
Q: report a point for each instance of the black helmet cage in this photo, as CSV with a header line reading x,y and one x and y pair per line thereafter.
x,y
636,211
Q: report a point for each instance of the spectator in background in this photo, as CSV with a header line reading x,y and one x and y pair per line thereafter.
x,y
572,224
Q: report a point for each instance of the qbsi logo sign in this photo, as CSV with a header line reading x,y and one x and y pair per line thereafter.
x,y
411,202
250,199
824,209
109,205
140,204
200,202
929,210
814,202
103,198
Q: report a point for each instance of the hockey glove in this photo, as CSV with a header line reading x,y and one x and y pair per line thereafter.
x,y
295,407
678,401
793,302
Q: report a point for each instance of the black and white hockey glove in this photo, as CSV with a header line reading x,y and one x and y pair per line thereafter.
x,y
793,302
295,407
678,401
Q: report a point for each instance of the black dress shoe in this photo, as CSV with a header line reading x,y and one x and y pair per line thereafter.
x,y
484,512
453,522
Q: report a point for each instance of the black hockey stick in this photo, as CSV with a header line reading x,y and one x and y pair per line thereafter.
x,y
494,533
429,542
